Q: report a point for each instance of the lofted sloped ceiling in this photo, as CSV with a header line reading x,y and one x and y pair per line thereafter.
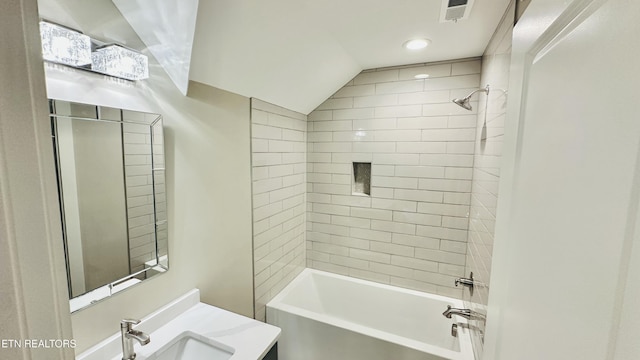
x,y
170,43
297,53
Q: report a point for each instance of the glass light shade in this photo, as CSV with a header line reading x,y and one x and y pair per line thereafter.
x,y
417,44
121,62
64,46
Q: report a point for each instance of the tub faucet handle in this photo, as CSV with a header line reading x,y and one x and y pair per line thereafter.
x,y
468,282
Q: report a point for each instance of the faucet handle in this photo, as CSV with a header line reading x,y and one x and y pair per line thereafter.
x,y
127,324
468,282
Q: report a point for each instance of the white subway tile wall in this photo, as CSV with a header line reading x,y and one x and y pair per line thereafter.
x,y
140,195
486,170
412,230
279,155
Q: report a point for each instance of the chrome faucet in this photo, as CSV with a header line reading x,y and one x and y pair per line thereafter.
x,y
128,335
465,313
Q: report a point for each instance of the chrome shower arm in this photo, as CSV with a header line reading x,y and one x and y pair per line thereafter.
x,y
464,102
486,90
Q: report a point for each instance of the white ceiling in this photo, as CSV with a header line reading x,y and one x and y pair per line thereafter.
x,y
293,53
172,43
297,53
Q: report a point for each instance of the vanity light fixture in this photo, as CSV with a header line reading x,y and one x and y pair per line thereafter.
x,y
118,61
417,44
69,47
65,46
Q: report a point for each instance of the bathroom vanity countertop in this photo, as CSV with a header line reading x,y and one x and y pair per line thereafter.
x,y
251,339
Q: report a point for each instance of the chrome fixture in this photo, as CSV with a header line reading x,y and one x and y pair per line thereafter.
x,y
468,282
464,102
454,330
465,313
128,335
69,47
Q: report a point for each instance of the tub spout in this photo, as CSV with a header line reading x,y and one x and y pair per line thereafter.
x,y
465,313
453,311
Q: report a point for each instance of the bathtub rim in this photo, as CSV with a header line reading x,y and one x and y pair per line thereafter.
x,y
464,336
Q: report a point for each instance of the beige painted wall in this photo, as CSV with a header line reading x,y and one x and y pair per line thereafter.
x,y
67,174
101,202
33,302
208,174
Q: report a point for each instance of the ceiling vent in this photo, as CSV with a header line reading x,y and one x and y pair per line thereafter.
x,y
454,10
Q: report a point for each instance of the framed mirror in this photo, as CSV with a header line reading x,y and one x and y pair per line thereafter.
x,y
111,187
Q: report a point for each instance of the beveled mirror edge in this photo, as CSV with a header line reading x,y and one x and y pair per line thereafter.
x,y
105,292
161,265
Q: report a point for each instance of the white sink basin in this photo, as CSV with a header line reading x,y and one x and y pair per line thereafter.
x,y
187,329
191,346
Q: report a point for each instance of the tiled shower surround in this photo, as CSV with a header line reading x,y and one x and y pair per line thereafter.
x,y
411,231
278,146
486,170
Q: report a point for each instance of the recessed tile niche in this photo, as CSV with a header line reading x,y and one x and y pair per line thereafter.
x,y
361,179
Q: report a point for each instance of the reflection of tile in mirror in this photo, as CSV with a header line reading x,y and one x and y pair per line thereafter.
x,y
140,191
158,145
361,178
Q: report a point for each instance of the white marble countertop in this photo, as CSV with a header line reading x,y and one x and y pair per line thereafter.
x,y
251,339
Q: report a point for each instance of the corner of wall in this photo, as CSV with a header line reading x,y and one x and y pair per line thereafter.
x,y
279,150
486,170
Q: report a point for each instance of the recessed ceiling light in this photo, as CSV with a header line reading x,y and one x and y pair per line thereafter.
x,y
421,76
417,44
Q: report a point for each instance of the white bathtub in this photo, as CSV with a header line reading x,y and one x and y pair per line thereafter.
x,y
326,316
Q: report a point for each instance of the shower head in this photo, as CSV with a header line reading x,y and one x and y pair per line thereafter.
x,y
464,102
